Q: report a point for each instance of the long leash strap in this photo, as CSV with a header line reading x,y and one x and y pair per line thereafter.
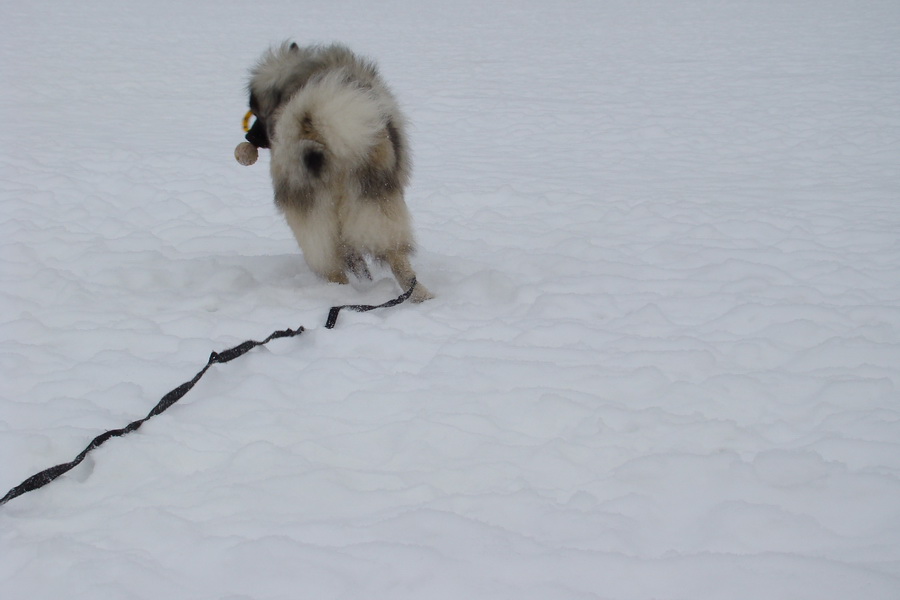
x,y
335,310
47,475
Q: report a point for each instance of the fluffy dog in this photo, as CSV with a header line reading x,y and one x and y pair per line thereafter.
x,y
339,159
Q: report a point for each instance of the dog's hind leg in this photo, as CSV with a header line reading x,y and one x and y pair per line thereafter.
x,y
398,261
356,264
316,231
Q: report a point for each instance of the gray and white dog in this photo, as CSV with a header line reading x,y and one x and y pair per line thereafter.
x,y
339,159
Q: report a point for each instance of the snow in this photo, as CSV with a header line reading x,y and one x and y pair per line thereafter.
x,y
663,358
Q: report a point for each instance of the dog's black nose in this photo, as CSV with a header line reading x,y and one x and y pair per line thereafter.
x,y
258,136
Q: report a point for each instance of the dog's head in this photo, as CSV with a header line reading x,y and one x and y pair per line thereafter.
x,y
273,80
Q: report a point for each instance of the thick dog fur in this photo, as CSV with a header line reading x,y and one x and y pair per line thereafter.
x,y
340,159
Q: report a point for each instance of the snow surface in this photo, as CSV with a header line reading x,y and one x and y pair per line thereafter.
x,y
663,359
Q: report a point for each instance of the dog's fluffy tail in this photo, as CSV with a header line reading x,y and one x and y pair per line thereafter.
x,y
340,126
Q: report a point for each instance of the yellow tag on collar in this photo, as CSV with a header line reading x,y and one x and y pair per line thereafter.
x,y
247,118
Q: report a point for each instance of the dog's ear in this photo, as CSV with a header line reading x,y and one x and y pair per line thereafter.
x,y
294,47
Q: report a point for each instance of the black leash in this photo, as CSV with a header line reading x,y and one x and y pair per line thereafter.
x,y
335,310
47,475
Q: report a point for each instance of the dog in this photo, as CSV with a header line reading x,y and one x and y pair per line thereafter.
x,y
340,159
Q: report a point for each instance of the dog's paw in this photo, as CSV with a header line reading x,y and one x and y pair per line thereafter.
x,y
420,294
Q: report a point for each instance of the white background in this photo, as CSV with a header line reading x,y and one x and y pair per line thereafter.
x,y
663,358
